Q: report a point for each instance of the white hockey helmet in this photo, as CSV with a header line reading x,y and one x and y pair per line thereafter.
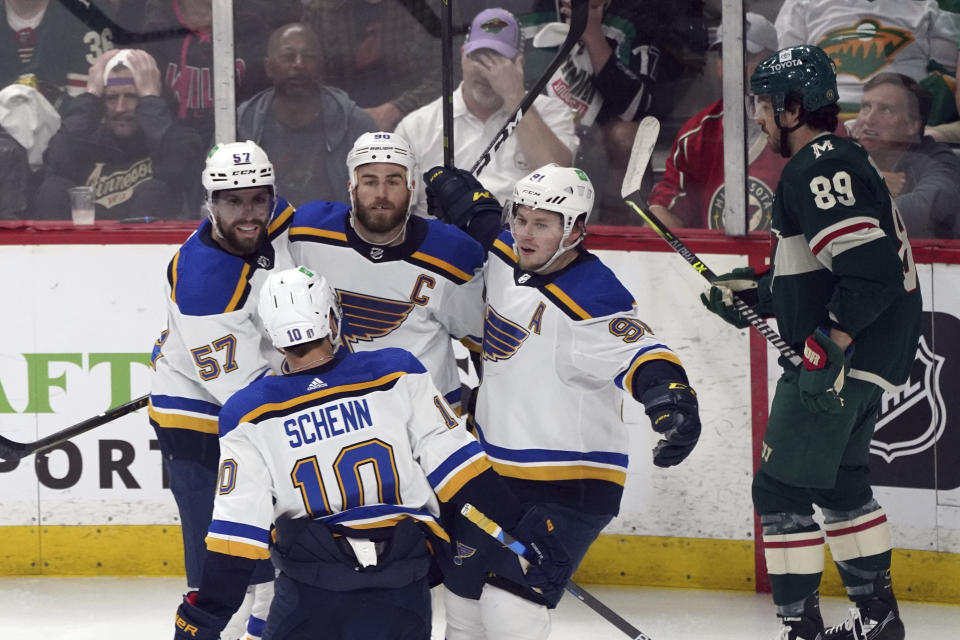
x,y
237,165
563,190
381,146
295,307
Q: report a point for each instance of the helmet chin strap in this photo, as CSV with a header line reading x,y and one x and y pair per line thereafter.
x,y
399,236
560,251
785,133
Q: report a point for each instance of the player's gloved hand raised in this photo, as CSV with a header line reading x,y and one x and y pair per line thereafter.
x,y
743,282
550,567
823,373
674,412
455,195
193,623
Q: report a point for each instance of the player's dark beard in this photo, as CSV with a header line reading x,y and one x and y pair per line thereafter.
x,y
382,221
240,246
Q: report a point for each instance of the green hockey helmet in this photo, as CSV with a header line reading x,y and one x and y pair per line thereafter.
x,y
805,71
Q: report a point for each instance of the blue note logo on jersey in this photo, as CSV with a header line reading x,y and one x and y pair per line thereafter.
x,y
366,318
501,338
463,552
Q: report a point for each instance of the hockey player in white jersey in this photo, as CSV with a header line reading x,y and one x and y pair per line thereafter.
x,y
213,343
562,342
349,457
402,281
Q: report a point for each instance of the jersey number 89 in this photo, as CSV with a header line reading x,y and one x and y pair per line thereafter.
x,y
823,190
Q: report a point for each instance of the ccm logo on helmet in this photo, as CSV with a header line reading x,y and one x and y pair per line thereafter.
x,y
243,172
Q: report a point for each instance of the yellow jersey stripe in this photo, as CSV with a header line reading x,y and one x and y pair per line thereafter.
x,y
293,402
462,477
567,300
281,219
505,248
647,357
239,549
567,472
442,264
320,233
173,286
238,292
180,421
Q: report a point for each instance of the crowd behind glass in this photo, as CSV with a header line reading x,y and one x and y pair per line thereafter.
x,y
118,95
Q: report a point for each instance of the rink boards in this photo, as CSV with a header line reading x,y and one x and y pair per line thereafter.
x,y
81,318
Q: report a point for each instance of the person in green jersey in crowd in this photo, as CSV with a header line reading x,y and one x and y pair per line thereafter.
x,y
843,289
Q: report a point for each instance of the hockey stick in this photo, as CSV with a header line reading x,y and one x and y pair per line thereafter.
x,y
10,450
472,514
446,64
578,22
643,144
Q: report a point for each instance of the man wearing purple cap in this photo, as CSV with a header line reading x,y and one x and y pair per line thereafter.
x,y
492,87
691,192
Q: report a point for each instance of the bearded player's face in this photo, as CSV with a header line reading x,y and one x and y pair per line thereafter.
x,y
381,197
242,216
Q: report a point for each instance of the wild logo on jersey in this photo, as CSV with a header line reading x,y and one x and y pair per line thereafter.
x,y
864,48
366,318
501,338
917,433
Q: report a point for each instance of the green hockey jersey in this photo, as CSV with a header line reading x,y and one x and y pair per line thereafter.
x,y
843,259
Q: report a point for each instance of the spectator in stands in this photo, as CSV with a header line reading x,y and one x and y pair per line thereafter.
x,y
691,191
923,175
492,87
867,37
380,53
49,47
121,138
27,123
306,128
186,59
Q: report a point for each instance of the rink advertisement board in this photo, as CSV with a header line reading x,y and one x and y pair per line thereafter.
x,y
81,319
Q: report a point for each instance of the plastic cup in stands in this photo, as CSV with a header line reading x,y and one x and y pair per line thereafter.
x,y
81,205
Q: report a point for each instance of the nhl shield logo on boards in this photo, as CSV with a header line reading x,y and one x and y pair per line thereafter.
x,y
920,402
918,432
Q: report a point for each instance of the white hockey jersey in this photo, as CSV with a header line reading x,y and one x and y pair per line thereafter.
x,y
558,352
414,296
358,443
214,342
867,37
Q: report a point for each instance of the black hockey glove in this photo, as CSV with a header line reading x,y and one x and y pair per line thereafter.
x,y
550,567
455,196
743,282
674,412
193,623
823,373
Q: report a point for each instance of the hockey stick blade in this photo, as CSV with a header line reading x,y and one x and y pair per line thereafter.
x,y
647,133
630,191
10,450
475,516
579,12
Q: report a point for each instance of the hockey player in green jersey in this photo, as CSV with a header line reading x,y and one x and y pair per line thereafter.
x,y
843,289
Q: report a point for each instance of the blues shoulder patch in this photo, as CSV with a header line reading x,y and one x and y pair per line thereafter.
x,y
448,252
206,281
320,221
588,290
